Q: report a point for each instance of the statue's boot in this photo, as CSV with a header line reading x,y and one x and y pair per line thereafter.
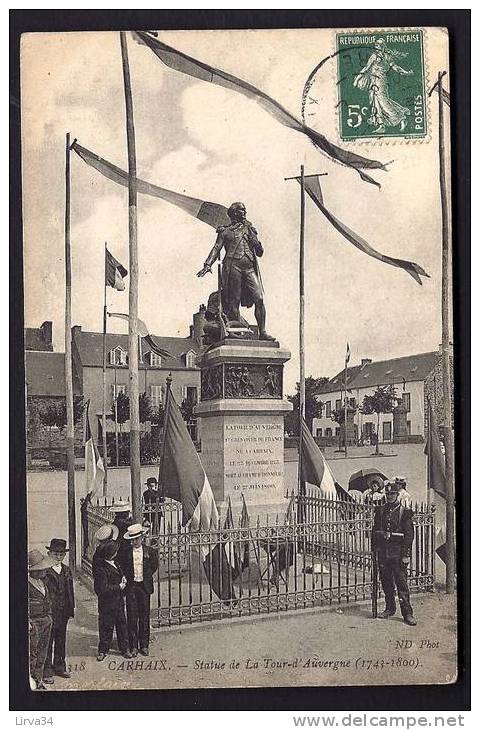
x,y
260,315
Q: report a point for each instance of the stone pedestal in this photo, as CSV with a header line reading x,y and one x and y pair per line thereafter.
x,y
241,413
400,429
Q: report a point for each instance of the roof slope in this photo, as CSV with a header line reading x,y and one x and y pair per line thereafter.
x,y
45,374
90,348
34,340
384,372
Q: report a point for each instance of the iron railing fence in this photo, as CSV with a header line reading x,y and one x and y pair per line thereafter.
x,y
317,554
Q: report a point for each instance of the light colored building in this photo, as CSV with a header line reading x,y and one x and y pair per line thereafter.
x,y
87,355
414,377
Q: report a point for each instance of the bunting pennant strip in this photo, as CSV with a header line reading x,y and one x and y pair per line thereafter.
x,y
312,187
213,214
144,333
197,69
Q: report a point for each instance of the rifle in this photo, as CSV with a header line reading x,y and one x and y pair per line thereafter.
x,y
374,583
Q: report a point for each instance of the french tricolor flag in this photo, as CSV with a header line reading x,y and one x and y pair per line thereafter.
x,y
183,478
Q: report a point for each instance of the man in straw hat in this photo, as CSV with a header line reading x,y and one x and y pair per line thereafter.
x,y
39,616
140,562
109,585
102,536
122,520
60,586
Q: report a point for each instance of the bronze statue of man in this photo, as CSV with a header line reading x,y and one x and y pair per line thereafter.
x,y
240,273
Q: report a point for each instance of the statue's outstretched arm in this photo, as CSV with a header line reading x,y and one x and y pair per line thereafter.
x,y
212,256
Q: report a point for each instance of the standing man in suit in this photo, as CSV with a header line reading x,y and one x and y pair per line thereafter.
x,y
109,585
140,562
60,585
392,538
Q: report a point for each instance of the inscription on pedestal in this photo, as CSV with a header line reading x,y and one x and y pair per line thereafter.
x,y
244,454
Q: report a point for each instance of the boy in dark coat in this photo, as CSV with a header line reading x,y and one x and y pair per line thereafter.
x,y
392,538
140,562
60,586
109,584
39,616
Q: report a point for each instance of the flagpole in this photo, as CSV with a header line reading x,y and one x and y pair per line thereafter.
x,y
345,409
301,278
447,392
70,434
429,454
104,374
133,291
115,413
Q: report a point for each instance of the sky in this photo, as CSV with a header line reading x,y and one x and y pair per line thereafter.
x,y
211,143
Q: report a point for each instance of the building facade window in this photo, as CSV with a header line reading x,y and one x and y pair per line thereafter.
x,y
156,395
387,431
328,408
406,401
328,432
319,433
118,356
338,404
155,360
190,359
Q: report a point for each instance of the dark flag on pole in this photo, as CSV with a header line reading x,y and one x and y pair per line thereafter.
x,y
435,458
213,214
115,273
199,70
347,355
312,187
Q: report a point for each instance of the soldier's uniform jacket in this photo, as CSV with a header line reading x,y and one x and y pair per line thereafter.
x,y
393,532
239,240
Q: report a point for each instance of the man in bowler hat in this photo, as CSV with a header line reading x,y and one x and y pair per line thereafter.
x,y
60,585
109,584
392,538
140,562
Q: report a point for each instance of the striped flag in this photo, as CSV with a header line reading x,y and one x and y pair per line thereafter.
x,y
115,273
183,478
144,334
312,187
213,214
315,469
347,355
199,70
94,469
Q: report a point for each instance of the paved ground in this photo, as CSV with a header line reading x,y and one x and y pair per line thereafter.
x,y
330,646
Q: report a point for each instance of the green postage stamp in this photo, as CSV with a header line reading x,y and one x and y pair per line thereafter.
x,y
381,82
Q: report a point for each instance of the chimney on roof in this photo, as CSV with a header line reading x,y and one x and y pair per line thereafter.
x,y
76,329
450,348
365,361
46,329
196,330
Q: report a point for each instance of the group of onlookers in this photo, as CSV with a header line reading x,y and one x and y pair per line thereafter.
x,y
123,568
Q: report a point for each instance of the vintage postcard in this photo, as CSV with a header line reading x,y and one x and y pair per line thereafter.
x,y
238,348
